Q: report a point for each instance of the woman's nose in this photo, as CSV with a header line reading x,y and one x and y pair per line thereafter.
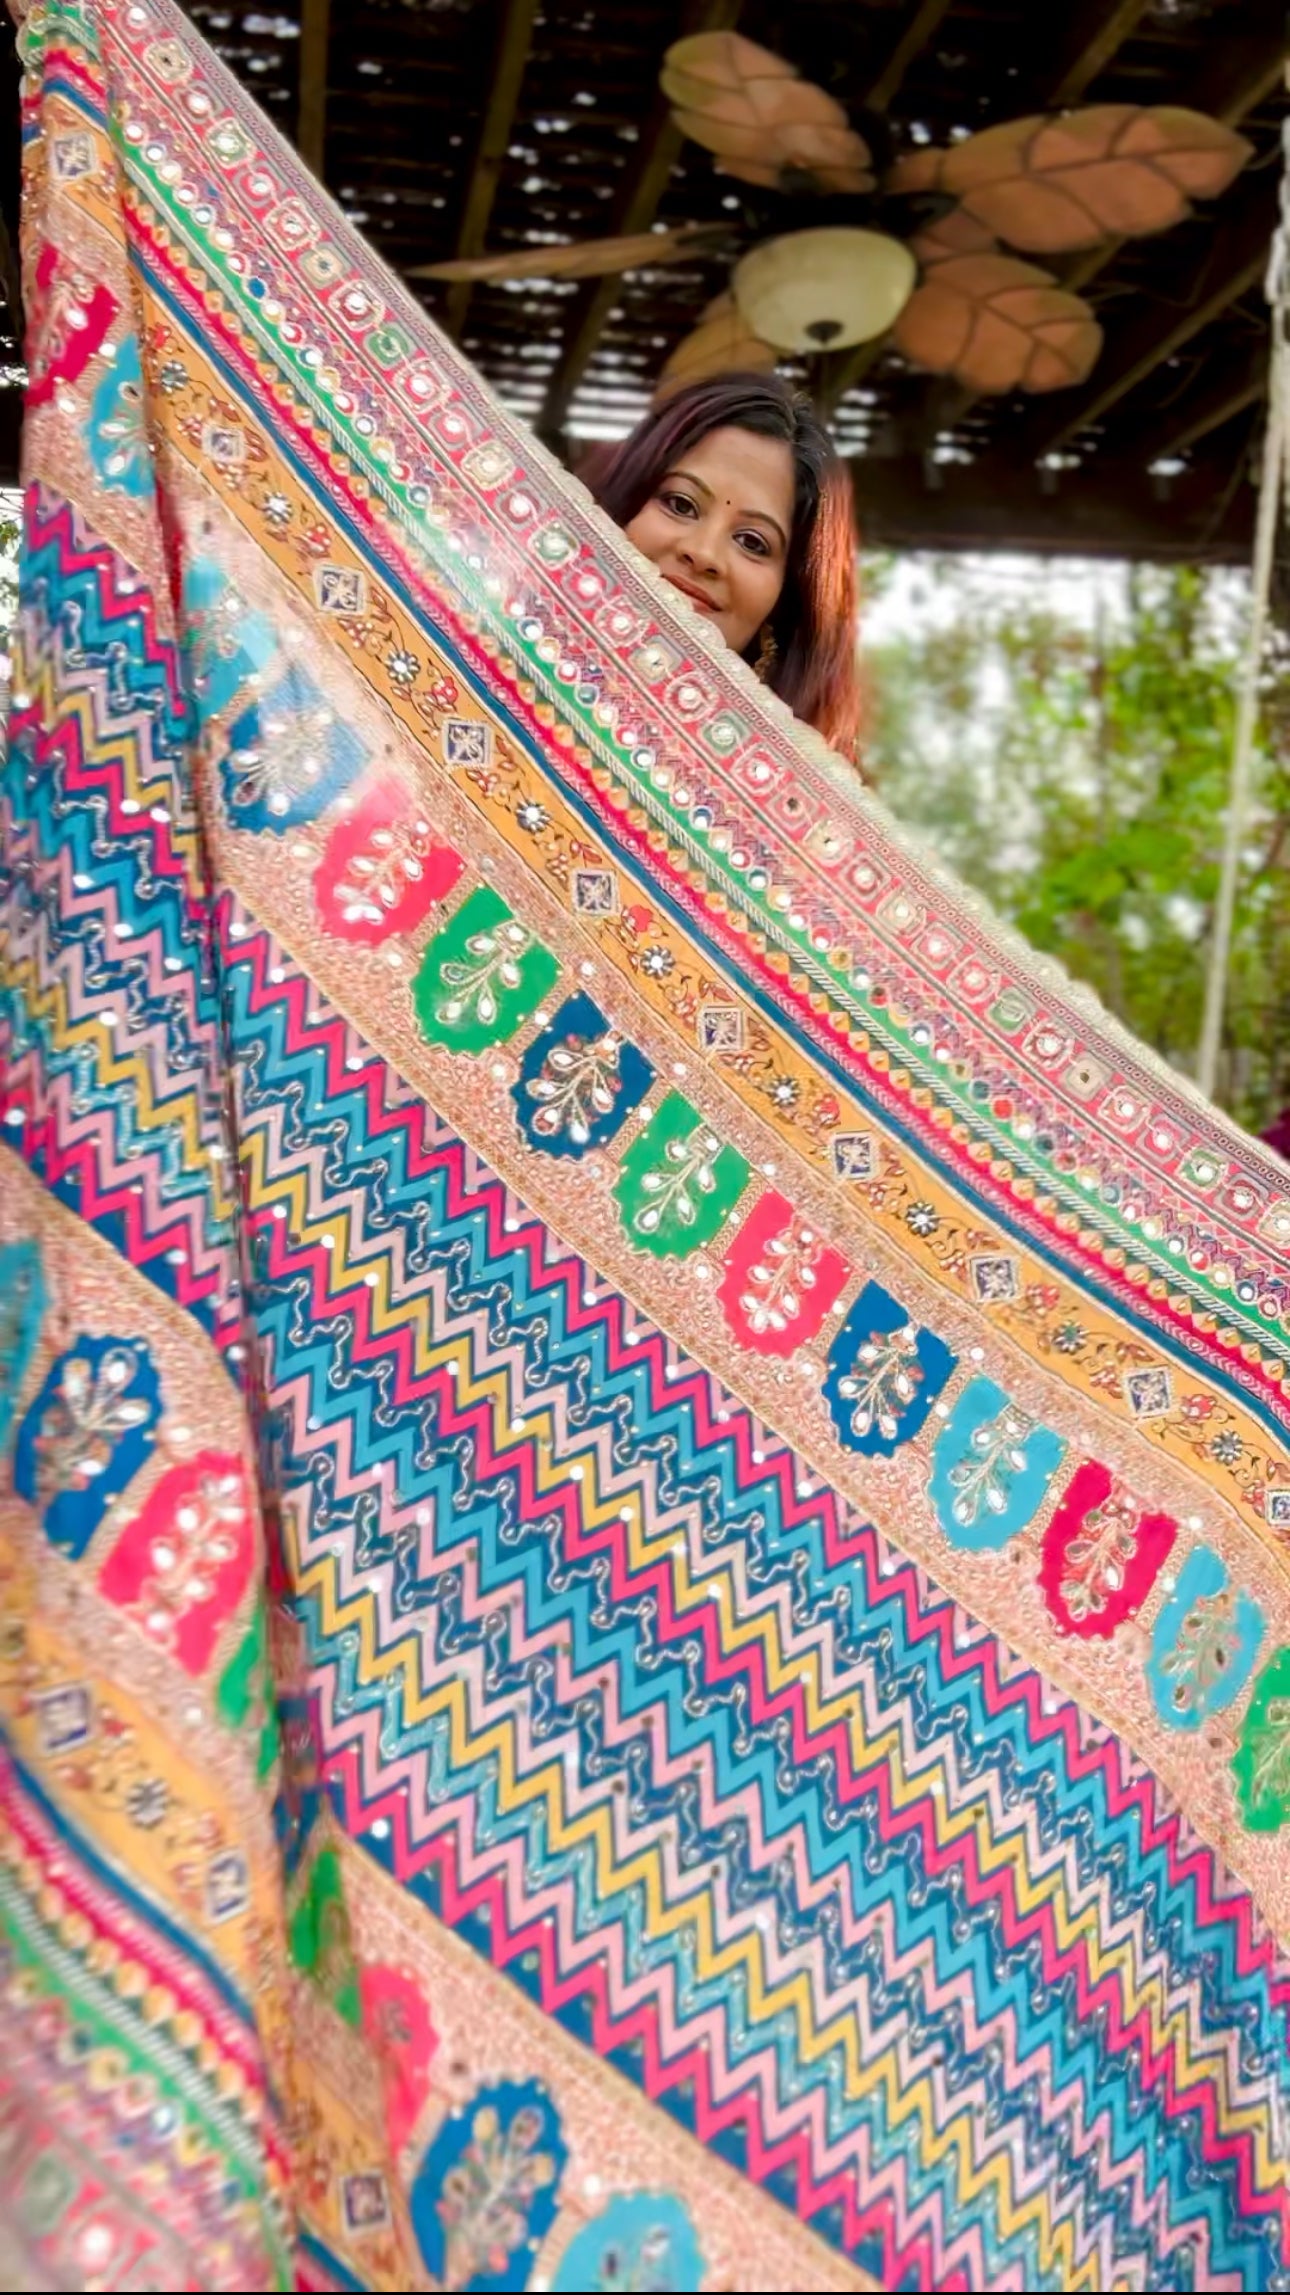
x,y
702,549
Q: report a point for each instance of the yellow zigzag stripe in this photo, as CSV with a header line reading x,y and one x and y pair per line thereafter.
x,y
971,1815
49,1000
113,741
492,1387
715,1960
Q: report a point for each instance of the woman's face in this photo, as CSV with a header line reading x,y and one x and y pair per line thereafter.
x,y
718,526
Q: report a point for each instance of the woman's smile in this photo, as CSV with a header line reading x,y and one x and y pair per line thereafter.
x,y
705,602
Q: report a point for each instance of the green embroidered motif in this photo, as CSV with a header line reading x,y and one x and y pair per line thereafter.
x,y
320,1939
244,1689
1261,1763
481,976
677,1183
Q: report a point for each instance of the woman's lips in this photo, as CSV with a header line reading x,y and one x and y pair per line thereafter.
x,y
696,597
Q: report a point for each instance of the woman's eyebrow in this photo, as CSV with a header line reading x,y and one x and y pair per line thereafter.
x,y
691,480
767,517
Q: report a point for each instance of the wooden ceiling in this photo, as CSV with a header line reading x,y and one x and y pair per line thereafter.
x,y
448,126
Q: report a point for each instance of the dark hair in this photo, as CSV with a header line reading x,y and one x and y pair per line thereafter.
x,y
816,671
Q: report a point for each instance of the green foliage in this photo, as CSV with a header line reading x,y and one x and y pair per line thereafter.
x,y
1073,765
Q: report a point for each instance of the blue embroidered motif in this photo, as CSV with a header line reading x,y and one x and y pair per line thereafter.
x,y
579,1081
990,1468
884,1375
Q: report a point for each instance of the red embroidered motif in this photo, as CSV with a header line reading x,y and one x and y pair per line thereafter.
x,y
381,871
397,2019
1101,1555
183,1564
68,324
781,1279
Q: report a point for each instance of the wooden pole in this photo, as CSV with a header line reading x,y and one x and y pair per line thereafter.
x,y
311,122
510,61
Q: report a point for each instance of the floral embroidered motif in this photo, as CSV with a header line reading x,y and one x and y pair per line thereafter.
x,y
225,643
491,963
884,1382
997,1456
244,1693
1261,1765
579,1081
382,871
641,2244
182,1565
677,1182
1203,1653
1097,1560
677,1186
288,757
579,1084
404,2040
1101,1554
884,1374
991,1467
485,2194
117,427
481,975
781,1279
147,1802
88,1415
85,1436
1205,1643
67,324
320,1937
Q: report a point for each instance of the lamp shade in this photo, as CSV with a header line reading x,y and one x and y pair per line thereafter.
x,y
824,290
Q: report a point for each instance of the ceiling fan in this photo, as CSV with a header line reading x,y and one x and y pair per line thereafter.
x,y
849,244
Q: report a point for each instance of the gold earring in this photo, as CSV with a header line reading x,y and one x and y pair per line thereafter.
x,y
767,654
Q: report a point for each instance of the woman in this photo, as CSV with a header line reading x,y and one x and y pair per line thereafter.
x,y
733,489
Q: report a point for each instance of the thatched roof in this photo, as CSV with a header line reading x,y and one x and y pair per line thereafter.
x,y
446,126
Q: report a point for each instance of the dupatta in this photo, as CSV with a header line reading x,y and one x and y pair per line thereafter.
x,y
645,1503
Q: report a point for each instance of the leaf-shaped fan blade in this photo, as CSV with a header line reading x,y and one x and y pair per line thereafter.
x,y
998,325
763,122
917,171
588,259
721,344
1109,171
955,233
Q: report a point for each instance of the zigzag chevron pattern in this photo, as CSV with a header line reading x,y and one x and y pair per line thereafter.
x,y
475,1810
108,1017
682,1747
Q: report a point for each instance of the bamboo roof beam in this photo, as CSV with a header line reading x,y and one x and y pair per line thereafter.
x,y
850,367
1242,386
1098,33
311,118
511,51
1230,84
1101,27
919,30
635,209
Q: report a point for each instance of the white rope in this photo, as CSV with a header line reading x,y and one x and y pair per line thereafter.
x,y
1276,465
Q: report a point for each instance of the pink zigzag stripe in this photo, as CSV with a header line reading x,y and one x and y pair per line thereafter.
x,y
377,1102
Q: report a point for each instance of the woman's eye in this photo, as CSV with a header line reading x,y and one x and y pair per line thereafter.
x,y
755,543
679,504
